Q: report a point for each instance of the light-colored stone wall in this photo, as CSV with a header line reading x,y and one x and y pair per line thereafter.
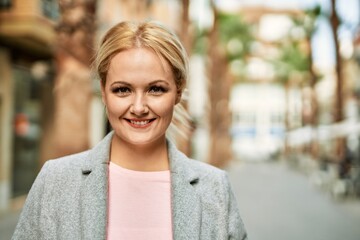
x,y
24,8
6,112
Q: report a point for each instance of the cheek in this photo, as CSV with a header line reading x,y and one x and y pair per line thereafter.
x,y
165,106
163,110
115,106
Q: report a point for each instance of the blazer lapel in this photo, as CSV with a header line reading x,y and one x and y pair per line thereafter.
x,y
186,207
94,191
186,204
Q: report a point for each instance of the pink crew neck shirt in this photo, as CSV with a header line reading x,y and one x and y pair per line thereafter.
x,y
139,204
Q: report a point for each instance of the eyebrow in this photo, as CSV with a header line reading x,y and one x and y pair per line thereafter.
x,y
159,81
121,82
151,83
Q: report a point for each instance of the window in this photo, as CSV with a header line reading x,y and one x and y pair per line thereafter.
x,y
50,9
26,128
5,4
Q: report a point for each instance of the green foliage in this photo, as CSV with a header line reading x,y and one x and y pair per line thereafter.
x,y
292,59
308,21
201,41
236,35
237,38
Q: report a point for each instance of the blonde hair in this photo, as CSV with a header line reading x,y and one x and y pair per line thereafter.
x,y
127,35
152,35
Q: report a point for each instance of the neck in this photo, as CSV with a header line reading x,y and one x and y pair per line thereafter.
x,y
144,157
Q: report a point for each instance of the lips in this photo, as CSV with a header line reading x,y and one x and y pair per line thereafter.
x,y
140,123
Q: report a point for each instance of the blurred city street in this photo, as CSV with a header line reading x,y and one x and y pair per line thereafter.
x,y
266,79
277,202
7,224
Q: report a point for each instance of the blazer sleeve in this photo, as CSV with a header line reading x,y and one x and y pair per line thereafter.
x,y
28,226
236,228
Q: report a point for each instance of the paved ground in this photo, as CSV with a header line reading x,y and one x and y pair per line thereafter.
x,y
278,203
7,225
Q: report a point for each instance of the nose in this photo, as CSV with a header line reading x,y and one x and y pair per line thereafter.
x,y
139,105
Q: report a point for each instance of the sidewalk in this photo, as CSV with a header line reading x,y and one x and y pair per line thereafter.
x,y
9,219
8,222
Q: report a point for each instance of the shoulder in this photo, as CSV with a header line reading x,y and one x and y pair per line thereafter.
x,y
207,177
60,178
204,169
64,167
88,159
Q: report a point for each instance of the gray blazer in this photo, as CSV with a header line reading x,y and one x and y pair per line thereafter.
x,y
68,199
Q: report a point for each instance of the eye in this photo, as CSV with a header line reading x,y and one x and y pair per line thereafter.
x,y
121,91
157,90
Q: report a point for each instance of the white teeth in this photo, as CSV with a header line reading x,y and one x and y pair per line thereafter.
x,y
139,122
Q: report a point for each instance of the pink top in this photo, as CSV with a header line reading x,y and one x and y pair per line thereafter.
x,y
139,204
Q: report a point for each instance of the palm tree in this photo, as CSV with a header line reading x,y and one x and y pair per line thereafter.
x,y
338,108
73,85
226,28
183,122
291,67
219,88
308,24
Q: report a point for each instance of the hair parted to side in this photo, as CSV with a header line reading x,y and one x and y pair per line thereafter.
x,y
127,35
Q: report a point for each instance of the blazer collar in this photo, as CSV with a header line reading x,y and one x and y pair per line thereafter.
x,y
94,190
100,154
186,207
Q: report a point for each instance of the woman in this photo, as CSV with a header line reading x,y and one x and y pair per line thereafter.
x,y
134,184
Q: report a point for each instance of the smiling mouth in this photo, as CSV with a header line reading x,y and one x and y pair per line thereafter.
x,y
140,123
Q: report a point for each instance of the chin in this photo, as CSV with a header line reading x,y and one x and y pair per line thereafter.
x,y
140,140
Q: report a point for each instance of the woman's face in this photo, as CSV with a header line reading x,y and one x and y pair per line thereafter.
x,y
140,94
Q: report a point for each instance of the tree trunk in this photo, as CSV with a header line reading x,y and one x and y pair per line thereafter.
x,y
184,140
287,147
338,113
219,93
73,84
185,34
314,146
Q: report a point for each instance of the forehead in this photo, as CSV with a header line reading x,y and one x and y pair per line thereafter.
x,y
140,55
139,63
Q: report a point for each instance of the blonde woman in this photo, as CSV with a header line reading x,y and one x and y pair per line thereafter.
x,y
134,184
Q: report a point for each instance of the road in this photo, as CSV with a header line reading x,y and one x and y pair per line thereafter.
x,y
7,224
279,203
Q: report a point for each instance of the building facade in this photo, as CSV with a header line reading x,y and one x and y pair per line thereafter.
x,y
26,46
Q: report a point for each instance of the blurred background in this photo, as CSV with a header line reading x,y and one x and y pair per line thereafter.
x,y
273,98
